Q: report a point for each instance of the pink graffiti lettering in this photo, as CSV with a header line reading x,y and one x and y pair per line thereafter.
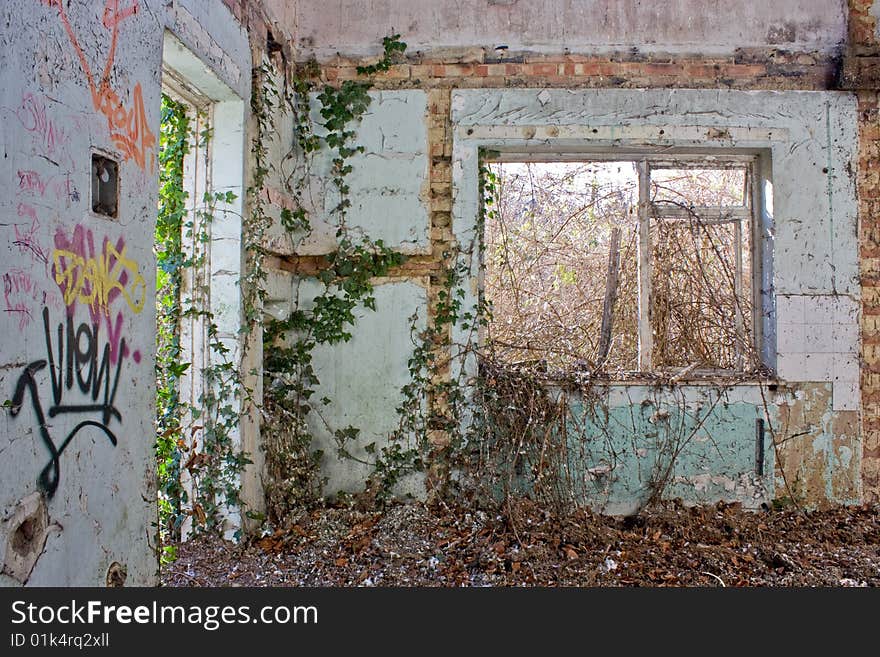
x,y
98,279
26,240
30,182
51,139
18,289
113,15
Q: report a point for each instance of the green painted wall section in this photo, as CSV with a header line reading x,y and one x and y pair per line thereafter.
x,y
698,443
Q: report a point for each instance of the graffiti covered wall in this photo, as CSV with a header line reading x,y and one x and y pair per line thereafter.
x,y
80,90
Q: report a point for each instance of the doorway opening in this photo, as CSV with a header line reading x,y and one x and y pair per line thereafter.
x,y
198,304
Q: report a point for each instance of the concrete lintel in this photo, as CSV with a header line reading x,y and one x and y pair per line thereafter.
x,y
637,134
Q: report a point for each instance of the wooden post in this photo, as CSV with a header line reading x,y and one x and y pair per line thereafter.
x,y
611,282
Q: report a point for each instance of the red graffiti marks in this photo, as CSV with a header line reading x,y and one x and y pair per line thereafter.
x,y
18,290
26,239
50,137
22,293
32,183
97,279
127,125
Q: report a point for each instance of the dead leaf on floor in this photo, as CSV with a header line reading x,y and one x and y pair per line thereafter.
x,y
411,545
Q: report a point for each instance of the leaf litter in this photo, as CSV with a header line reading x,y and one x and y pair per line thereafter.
x,y
413,544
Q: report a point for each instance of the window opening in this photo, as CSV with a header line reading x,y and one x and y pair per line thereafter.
x,y
623,267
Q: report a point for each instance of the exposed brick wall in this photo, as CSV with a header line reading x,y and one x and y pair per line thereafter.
x,y
440,194
861,28
863,42
747,70
869,219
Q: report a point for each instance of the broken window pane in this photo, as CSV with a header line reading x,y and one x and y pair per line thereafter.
x,y
547,260
691,187
700,315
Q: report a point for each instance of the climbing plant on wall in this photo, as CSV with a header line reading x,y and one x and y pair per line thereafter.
x,y
345,283
174,144
198,462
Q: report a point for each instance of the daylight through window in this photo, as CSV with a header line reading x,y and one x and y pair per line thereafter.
x,y
623,267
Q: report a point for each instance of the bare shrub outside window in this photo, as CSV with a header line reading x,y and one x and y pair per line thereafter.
x,y
563,259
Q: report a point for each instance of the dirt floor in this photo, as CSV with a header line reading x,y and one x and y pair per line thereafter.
x,y
412,545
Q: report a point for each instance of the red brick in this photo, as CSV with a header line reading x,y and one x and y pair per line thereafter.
x,y
541,69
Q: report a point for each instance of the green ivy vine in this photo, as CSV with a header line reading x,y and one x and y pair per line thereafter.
x,y
345,282
174,144
437,396
198,463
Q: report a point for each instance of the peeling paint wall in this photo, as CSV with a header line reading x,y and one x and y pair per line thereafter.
x,y
77,494
387,185
81,78
807,145
747,443
628,443
389,194
810,248
353,27
606,75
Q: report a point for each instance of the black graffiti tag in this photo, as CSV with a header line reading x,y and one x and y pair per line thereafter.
x,y
77,353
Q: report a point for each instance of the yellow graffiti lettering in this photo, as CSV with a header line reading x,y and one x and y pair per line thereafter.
x,y
92,280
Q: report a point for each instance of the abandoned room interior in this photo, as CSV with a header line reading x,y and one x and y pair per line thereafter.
x,y
260,253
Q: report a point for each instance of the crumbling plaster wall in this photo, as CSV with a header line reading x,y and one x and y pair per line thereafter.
x,y
809,140
864,43
702,442
676,26
78,484
362,378
810,244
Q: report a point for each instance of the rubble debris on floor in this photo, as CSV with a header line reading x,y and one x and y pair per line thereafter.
x,y
414,545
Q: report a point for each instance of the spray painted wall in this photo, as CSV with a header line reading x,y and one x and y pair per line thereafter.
x,y
80,108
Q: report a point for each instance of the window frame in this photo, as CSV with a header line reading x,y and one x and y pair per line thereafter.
x,y
751,215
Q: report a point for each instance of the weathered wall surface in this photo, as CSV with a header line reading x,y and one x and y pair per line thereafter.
x,y
84,77
353,27
77,492
864,40
362,378
702,443
404,191
811,313
812,332
387,184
